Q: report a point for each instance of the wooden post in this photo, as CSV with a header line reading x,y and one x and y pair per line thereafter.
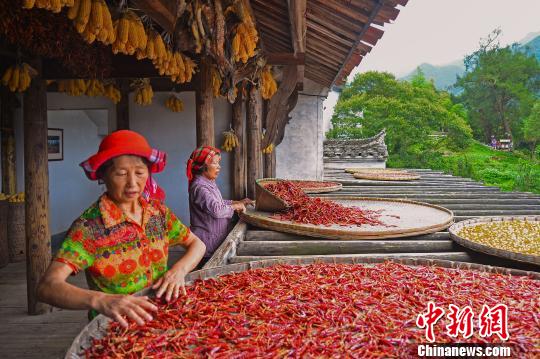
x,y
8,103
269,159
204,101
36,183
122,107
253,132
239,153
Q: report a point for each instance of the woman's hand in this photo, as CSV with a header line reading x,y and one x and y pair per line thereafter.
x,y
238,206
247,202
119,306
171,283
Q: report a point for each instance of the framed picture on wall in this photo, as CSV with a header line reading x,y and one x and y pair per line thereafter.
x,y
55,144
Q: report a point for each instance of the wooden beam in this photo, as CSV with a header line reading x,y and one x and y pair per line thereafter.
x,y
161,11
239,154
204,101
253,132
374,12
297,18
285,58
122,107
36,183
270,164
8,103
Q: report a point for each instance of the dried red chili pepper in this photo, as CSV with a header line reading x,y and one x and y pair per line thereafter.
x,y
310,210
324,310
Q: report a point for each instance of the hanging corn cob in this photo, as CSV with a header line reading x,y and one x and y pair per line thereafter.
x,y
130,35
95,88
51,5
174,104
246,37
113,93
268,84
230,140
16,198
268,149
74,87
17,77
143,92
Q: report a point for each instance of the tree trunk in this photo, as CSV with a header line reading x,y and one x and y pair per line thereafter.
x,y
122,107
204,105
8,104
36,183
253,132
239,152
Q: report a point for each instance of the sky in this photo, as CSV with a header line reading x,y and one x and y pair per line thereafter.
x,y
442,31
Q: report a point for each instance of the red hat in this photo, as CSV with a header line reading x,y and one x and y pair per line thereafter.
x,y
199,157
124,142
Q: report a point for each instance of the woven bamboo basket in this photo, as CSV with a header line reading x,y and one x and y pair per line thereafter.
x,y
264,199
16,232
373,170
404,176
4,245
415,218
330,187
479,247
97,327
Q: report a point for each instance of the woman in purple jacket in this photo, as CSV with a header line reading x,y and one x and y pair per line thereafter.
x,y
210,214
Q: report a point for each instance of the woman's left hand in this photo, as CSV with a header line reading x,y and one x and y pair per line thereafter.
x,y
170,284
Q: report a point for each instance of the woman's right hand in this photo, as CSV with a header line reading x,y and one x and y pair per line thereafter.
x,y
238,206
119,306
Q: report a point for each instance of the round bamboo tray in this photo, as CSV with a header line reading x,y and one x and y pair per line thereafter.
x,y
454,230
415,218
331,186
373,170
404,176
97,327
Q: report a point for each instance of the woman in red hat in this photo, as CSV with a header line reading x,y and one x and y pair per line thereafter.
x,y
210,214
122,240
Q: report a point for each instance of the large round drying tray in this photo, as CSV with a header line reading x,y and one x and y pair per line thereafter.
x,y
415,218
97,327
454,230
405,176
329,186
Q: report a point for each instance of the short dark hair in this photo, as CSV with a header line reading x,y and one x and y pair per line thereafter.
x,y
102,170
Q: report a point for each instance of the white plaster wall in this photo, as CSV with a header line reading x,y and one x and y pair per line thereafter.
x,y
300,154
70,192
171,132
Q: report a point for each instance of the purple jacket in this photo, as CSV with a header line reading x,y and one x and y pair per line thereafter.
x,y
210,214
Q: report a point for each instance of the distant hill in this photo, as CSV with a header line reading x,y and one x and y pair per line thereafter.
x,y
444,76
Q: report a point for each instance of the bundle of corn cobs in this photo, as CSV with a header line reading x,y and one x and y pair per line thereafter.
x,y
3,196
17,77
174,104
92,19
246,37
16,198
94,87
230,142
143,92
268,84
51,5
268,149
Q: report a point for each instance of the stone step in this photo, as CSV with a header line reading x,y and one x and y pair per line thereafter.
x,y
273,236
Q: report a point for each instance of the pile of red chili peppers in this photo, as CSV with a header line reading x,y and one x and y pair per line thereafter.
x,y
310,210
314,184
324,310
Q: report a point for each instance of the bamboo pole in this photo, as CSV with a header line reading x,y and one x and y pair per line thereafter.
x,y
253,132
204,105
36,183
239,152
8,104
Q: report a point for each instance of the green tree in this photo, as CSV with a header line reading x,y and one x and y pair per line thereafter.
x,y
499,87
410,112
531,127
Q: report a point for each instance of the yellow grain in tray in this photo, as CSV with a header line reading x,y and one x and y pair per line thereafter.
x,y
518,236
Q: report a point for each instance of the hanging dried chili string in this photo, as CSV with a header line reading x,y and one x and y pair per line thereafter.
x,y
310,210
324,310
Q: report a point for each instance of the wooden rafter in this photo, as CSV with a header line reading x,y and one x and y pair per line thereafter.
x,y
162,12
